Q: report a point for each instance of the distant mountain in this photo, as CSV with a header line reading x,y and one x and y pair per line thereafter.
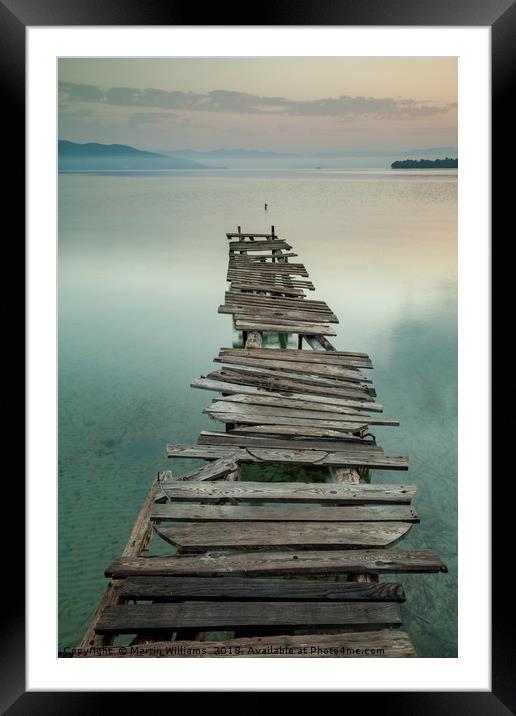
x,y
94,156
354,152
230,153
338,158
361,152
94,149
426,164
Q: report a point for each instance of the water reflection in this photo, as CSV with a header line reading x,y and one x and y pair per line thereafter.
x,y
142,271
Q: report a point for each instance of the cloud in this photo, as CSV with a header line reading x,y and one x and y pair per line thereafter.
x,y
345,107
71,92
378,108
143,119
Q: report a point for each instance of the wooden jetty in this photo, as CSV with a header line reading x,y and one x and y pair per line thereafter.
x,y
284,569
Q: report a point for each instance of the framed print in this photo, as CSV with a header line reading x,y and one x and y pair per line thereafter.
x,y
258,352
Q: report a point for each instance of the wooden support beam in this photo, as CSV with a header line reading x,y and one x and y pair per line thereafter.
x,y
254,340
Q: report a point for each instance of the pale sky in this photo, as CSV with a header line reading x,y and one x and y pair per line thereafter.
x,y
279,104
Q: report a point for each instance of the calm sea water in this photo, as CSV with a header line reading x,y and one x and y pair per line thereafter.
x,y
142,262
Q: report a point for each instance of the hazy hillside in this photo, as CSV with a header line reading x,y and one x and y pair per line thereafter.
x,y
94,156
359,158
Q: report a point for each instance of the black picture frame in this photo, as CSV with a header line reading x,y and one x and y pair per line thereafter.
x,y
500,15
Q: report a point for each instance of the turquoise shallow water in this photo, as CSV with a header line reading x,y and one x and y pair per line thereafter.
x,y
142,263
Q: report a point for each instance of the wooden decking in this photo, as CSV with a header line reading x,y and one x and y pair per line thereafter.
x,y
286,569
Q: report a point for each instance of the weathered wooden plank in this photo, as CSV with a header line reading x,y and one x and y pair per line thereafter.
x,y
264,269
258,299
252,316
268,269
319,343
243,235
263,255
255,283
276,563
303,379
330,493
246,258
387,643
263,302
130,619
243,306
267,306
244,437
230,295
251,257
220,386
303,356
268,272
254,250
213,470
277,289
300,457
243,513
308,405
258,260
248,272
260,269
299,426
281,437
321,329
297,430
320,369
287,269
317,427
255,275
276,382
258,246
269,288
243,310
258,252
243,588
195,536
257,278
275,410
293,437
237,407
287,434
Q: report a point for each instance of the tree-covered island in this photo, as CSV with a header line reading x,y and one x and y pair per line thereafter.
x,y
426,164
